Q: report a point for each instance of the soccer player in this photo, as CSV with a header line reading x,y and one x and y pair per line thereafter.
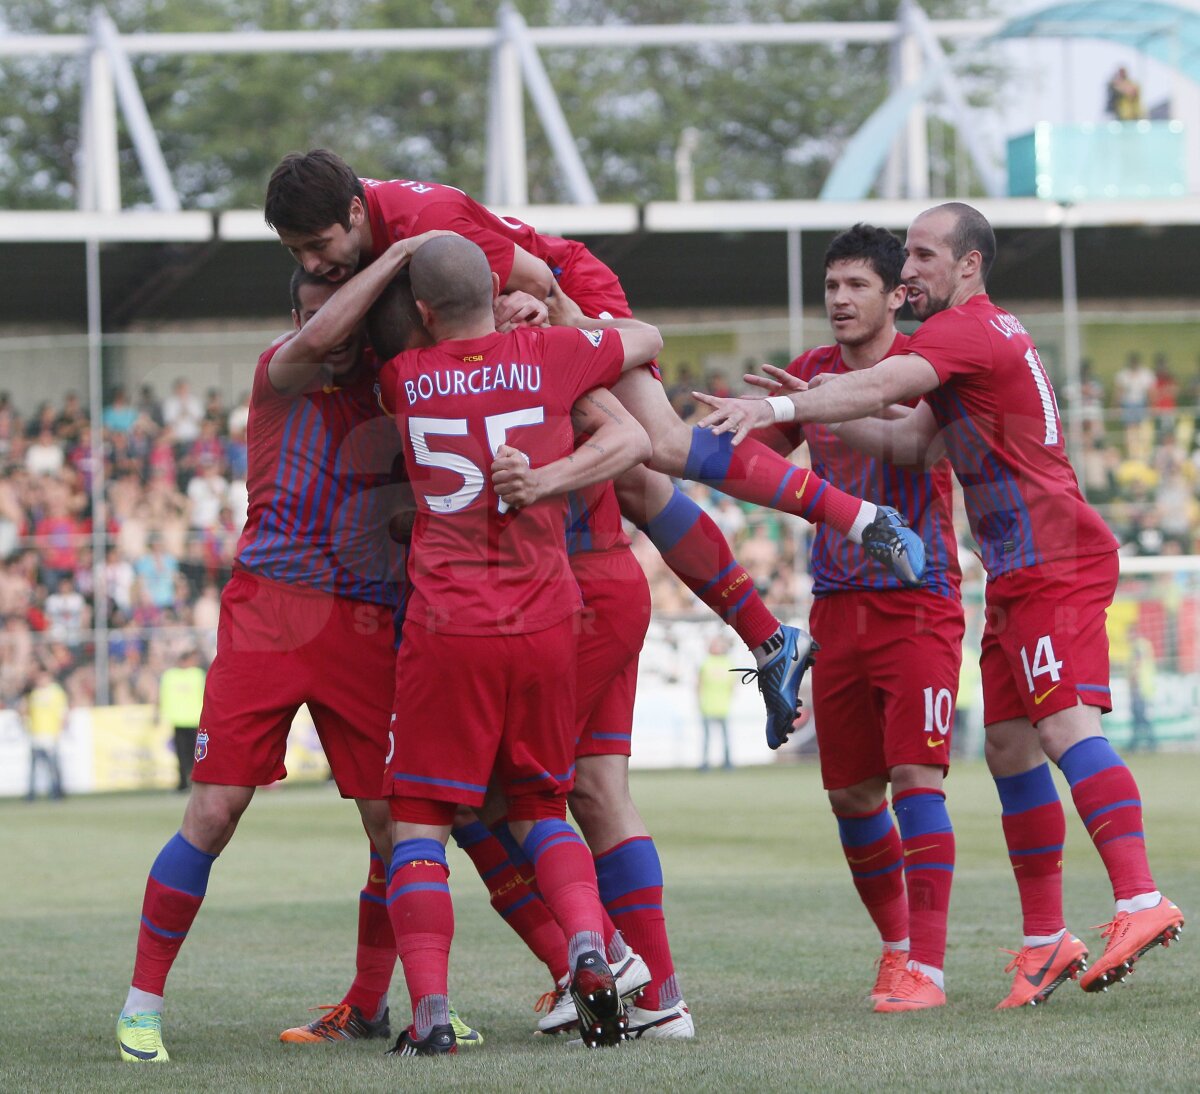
x,y
616,600
1052,573
306,618
884,684
333,223
491,588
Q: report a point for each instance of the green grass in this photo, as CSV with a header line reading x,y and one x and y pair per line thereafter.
x,y
773,949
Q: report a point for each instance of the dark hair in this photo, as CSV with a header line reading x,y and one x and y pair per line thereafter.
x,y
881,250
971,232
300,278
309,191
393,318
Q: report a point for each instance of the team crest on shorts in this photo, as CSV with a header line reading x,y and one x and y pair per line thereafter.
x,y
201,745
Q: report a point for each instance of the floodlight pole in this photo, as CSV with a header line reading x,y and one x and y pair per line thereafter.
x,y
795,286
99,181
99,506
506,182
1071,364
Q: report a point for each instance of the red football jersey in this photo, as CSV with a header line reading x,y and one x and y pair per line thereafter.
x,y
400,208
999,419
475,569
923,497
322,489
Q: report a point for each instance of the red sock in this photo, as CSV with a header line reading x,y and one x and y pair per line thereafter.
x,y
928,843
1035,830
755,473
1107,797
514,896
174,892
375,960
566,877
693,547
631,886
875,856
422,915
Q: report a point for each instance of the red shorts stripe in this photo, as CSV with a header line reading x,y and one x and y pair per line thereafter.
x,y
884,682
1045,643
280,646
468,708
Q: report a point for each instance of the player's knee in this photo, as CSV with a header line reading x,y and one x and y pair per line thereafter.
x,y
862,798
537,807
212,815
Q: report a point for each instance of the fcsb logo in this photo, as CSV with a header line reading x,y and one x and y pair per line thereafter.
x,y
201,745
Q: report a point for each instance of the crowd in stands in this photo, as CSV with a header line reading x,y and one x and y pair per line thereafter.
x,y
176,502
175,471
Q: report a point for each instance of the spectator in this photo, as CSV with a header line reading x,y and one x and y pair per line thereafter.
x,y
180,700
66,613
148,405
182,413
714,690
1164,396
1132,386
1141,692
156,572
46,711
45,456
120,415
1124,101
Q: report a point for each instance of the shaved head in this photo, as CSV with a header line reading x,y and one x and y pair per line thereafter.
x,y
451,276
969,231
393,323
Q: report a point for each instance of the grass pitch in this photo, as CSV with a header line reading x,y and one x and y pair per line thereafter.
x,y
774,952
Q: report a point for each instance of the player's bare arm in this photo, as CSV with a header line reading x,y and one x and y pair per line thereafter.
x,y
529,274
899,434
614,443
842,399
296,365
641,341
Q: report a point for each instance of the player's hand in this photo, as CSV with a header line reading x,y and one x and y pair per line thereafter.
x,y
515,482
564,312
402,250
776,381
737,416
519,309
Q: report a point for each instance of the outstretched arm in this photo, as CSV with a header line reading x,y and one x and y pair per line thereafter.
x,y
841,399
614,443
899,434
297,363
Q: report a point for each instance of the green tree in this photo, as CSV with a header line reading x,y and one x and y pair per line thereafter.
x,y
771,118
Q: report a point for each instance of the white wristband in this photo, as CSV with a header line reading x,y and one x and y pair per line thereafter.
x,y
782,407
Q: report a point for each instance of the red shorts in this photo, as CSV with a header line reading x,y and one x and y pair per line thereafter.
x,y
279,646
595,288
1045,646
884,681
470,707
613,624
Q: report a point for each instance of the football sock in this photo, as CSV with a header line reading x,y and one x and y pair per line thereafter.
x,y
1035,829
430,1011
1140,903
422,916
567,880
928,840
375,958
934,972
875,856
1042,939
753,472
174,892
698,554
1107,798
141,1002
513,895
631,886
